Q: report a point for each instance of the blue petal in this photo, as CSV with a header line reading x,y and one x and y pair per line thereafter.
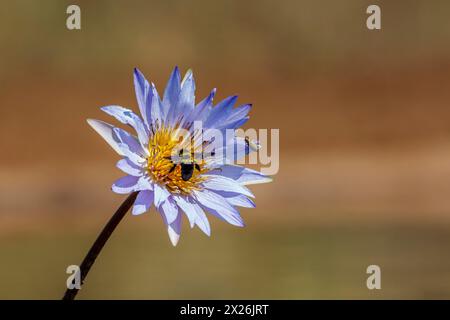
x,y
157,114
169,209
185,102
244,176
125,184
240,112
187,94
143,202
236,118
202,221
130,141
187,207
236,124
220,112
176,224
221,183
161,194
105,130
218,206
232,119
142,89
144,183
129,146
172,91
236,199
203,108
148,99
174,230
129,167
194,213
234,149
126,116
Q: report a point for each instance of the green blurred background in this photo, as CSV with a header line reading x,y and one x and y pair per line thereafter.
x,y
365,147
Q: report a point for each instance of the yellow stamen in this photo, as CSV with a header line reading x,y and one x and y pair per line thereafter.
x,y
162,145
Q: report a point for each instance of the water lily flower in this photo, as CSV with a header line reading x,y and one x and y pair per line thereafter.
x,y
183,186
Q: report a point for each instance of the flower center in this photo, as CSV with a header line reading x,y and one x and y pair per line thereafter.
x,y
177,170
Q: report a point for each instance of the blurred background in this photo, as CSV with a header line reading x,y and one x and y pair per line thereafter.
x,y
364,125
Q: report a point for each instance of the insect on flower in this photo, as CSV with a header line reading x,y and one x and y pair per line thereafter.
x,y
166,160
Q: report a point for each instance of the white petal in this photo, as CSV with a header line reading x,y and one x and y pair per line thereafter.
x,y
221,183
174,237
127,148
187,207
169,209
218,206
105,130
125,185
161,194
244,176
143,202
195,214
236,199
126,116
129,167
131,142
144,183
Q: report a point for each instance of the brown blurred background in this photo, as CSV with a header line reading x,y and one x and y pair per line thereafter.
x,y
365,147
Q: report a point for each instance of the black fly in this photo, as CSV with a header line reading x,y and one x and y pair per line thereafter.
x,y
187,166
